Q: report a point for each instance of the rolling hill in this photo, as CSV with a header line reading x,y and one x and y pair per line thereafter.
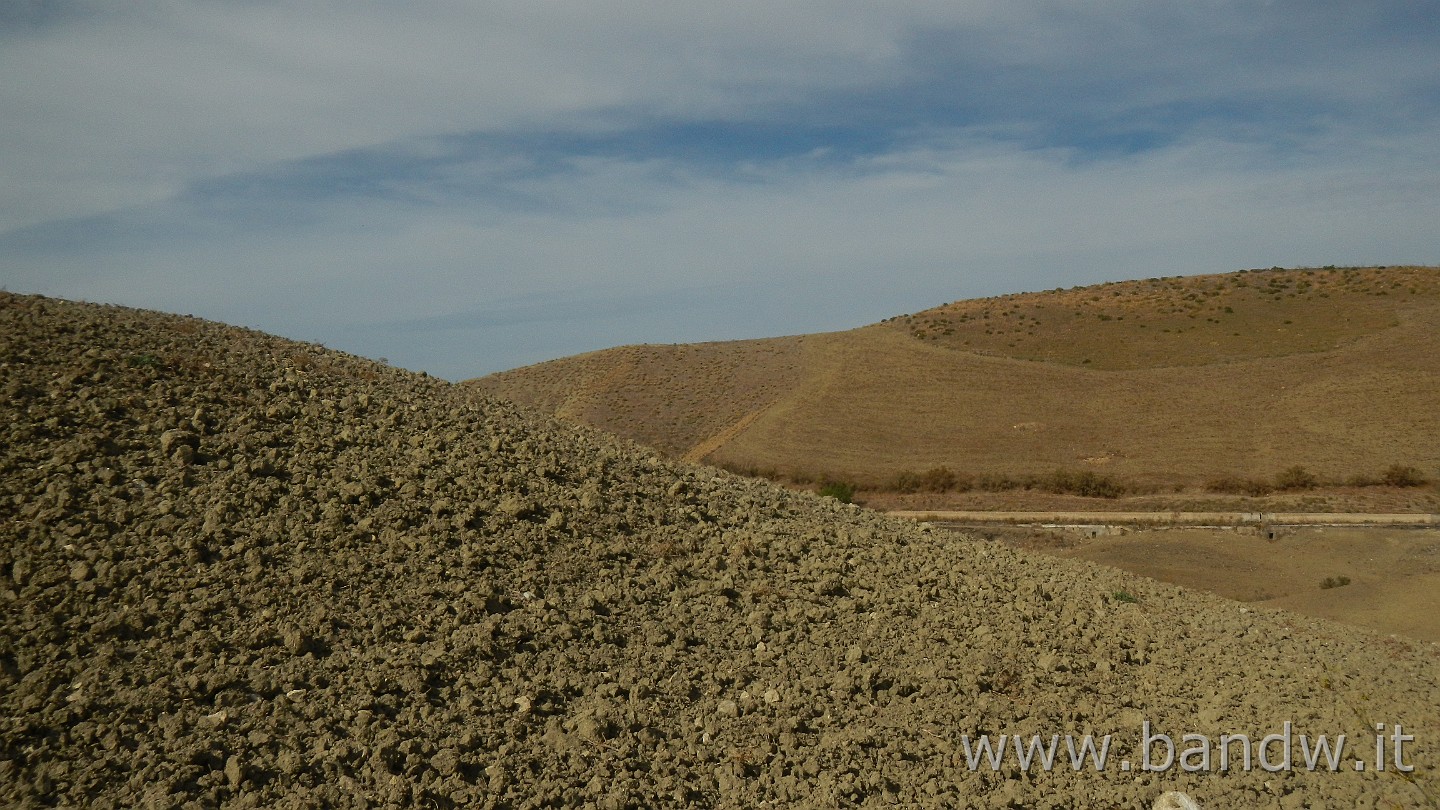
x,y
1162,383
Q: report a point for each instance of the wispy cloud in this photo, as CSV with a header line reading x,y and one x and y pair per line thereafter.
x,y
482,172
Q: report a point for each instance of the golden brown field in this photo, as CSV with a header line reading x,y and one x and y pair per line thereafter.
x,y
1160,385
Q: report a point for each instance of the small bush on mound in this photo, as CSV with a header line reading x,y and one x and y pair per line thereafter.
x,y
1400,475
905,483
1085,483
938,479
1334,582
1296,477
839,490
991,482
1235,485
935,479
1125,597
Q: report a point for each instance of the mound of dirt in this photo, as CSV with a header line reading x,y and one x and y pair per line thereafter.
x,y
245,572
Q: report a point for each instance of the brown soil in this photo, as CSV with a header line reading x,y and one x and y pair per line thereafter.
x,y
245,572
1394,574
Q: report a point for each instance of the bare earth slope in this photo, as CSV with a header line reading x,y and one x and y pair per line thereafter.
x,y
1167,381
673,398
243,572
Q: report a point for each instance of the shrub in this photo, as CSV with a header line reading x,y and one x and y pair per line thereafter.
x,y
964,482
1296,477
1125,596
1235,485
839,490
1084,483
991,482
1399,475
938,479
905,482
1334,582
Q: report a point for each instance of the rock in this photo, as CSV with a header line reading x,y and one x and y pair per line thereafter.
x,y
234,772
446,761
296,642
1172,800
172,440
515,506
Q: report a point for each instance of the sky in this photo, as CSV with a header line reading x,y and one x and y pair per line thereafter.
x,y
465,187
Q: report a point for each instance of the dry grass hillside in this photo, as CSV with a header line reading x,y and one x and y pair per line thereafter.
x,y
1162,383
672,398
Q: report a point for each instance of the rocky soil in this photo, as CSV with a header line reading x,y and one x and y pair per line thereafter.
x,y
238,571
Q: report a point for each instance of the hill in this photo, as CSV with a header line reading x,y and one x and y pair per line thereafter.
x,y
1157,384
244,572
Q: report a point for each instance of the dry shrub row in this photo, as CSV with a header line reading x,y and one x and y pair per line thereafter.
x,y
1085,483
1297,478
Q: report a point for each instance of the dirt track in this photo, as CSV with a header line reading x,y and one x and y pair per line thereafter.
x,y
243,572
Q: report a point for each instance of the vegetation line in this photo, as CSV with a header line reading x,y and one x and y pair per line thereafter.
x,y
1086,483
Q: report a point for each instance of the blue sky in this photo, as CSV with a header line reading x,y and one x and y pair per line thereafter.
x,y
463,187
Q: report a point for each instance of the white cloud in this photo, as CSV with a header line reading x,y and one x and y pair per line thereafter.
x,y
849,244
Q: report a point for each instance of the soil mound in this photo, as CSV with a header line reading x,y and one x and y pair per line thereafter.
x,y
240,571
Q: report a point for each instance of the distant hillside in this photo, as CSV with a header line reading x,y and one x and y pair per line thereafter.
x,y
1171,381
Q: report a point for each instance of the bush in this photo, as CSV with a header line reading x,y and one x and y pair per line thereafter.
x,y
1235,485
1296,477
905,483
1085,483
990,482
1334,582
938,479
964,482
839,490
1399,475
